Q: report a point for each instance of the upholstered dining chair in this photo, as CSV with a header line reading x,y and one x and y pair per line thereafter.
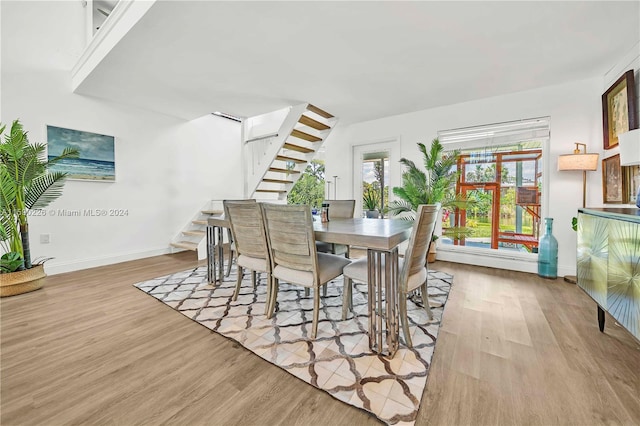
x,y
293,254
249,236
413,268
338,209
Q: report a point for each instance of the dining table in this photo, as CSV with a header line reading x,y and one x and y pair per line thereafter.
x,y
380,237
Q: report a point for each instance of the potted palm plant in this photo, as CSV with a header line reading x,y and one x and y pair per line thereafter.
x,y
434,185
25,184
370,202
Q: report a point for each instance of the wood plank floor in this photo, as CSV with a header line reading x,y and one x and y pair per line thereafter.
x,y
89,348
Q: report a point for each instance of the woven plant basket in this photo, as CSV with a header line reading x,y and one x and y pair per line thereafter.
x,y
22,281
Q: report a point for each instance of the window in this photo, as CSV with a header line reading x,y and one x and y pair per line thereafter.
x,y
501,168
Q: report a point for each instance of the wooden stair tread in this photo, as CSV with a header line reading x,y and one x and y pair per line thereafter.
x,y
298,148
306,136
195,233
308,121
318,111
279,191
186,245
212,212
279,170
294,160
268,180
199,222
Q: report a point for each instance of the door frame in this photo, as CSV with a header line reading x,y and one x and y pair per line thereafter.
x,y
392,146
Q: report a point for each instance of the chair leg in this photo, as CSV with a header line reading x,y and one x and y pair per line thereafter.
x,y
238,283
347,300
405,321
253,279
425,300
231,252
267,300
316,312
274,295
324,290
306,292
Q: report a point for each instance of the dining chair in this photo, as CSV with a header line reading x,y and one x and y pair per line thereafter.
x,y
338,209
249,236
293,254
413,268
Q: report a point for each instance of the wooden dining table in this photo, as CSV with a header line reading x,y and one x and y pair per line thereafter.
x,y
380,237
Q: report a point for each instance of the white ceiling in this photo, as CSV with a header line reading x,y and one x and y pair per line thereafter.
x,y
357,60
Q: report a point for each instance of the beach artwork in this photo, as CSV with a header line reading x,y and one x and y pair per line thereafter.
x,y
97,154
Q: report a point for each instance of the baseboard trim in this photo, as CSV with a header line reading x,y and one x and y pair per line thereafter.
x,y
54,268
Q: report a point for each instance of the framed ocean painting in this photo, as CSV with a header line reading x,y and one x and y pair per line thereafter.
x,y
97,154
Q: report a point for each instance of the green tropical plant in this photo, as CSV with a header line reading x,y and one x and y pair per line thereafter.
x,y
434,185
370,199
10,262
25,184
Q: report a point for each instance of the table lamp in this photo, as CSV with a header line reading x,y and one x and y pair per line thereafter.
x,y
580,161
630,152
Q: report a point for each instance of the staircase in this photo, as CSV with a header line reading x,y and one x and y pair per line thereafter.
x,y
282,157
277,147
195,231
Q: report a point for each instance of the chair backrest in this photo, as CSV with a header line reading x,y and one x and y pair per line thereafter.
x,y
341,209
247,227
290,236
416,254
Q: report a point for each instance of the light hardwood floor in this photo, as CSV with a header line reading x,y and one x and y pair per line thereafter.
x,y
513,349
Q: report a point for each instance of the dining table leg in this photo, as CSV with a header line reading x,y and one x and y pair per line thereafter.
x,y
215,254
383,301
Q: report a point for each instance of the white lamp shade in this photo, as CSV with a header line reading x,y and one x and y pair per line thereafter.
x,y
578,162
629,148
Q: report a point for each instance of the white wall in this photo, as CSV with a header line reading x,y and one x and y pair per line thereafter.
x,y
575,114
166,168
631,61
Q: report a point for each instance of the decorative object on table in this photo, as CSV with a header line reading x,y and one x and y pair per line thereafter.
x,y
630,161
619,113
548,252
324,213
25,184
96,161
435,185
613,184
339,361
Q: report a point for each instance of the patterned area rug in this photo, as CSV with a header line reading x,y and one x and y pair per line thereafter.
x,y
339,360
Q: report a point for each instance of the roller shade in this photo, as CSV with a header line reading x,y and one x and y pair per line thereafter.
x,y
512,132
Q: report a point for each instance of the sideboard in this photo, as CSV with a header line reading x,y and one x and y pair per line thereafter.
x,y
609,263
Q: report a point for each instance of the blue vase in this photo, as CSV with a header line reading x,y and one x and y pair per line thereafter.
x,y
548,252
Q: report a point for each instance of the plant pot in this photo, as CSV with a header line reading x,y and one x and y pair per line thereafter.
x,y
20,282
431,255
372,214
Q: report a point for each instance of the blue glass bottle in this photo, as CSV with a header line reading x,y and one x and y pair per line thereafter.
x,y
548,252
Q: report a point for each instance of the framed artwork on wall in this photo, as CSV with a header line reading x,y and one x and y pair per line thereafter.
x,y
631,176
613,189
97,154
619,113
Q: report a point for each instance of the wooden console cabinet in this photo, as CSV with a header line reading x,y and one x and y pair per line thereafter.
x,y
609,263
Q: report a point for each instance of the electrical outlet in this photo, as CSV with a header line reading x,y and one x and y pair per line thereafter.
x,y
45,238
